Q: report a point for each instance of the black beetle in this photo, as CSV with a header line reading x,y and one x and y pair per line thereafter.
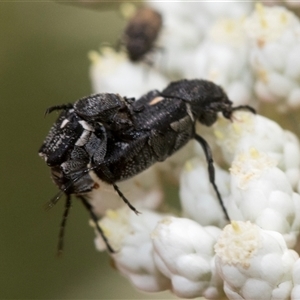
x,y
141,32
117,138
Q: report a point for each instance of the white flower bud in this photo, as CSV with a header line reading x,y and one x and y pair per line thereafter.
x,y
200,14
254,263
178,39
248,130
183,252
129,235
113,72
269,23
275,36
197,196
184,31
223,9
295,295
261,193
223,58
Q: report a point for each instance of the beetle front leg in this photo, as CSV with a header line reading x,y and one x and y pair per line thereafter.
x,y
49,110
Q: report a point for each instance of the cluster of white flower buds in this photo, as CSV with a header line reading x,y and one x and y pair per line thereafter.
x,y
252,51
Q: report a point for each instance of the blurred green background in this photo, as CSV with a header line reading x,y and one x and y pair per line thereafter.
x,y
43,62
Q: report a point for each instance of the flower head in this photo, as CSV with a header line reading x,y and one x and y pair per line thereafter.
x,y
254,56
183,251
254,263
129,235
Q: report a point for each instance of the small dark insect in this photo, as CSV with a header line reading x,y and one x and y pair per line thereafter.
x,y
141,32
116,138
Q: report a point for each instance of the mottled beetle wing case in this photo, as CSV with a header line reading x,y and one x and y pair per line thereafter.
x,y
62,136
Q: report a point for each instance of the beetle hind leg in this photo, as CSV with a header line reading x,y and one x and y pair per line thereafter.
x,y
125,199
88,206
211,170
63,225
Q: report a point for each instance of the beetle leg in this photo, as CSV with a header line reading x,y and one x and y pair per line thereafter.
x,y
211,170
88,206
129,100
125,199
58,107
63,225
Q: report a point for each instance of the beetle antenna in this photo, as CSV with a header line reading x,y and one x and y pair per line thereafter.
x,y
55,199
245,107
48,205
228,113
